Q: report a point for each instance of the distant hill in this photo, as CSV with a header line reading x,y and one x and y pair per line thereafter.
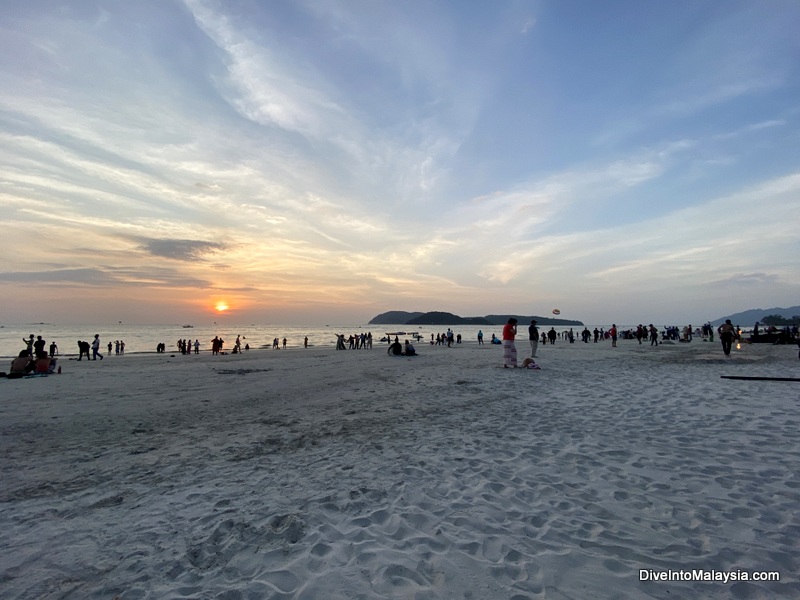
x,y
394,317
749,317
446,318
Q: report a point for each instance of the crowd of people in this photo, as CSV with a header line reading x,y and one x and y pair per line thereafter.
x,y
34,359
38,358
356,341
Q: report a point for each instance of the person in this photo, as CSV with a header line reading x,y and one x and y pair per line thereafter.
x,y
533,337
552,335
196,346
96,348
53,349
83,348
38,345
529,363
43,363
726,334
395,349
409,349
29,344
653,335
305,342
509,349
480,337
110,345
613,333
22,364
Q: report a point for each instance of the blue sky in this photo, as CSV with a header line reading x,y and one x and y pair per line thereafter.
x,y
320,161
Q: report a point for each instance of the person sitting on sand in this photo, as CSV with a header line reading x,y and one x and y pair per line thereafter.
x,y
409,349
21,365
395,349
529,363
45,364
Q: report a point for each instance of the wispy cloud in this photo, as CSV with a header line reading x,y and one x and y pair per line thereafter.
x,y
180,249
360,154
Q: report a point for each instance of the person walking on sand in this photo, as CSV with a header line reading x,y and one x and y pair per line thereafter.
x,y
96,347
726,334
653,335
509,349
533,337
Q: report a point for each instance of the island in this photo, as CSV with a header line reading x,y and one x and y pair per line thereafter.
x,y
399,317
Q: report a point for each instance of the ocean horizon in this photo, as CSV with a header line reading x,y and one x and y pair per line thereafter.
x,y
144,338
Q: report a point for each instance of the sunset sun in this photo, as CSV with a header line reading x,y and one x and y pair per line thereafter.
x,y
221,307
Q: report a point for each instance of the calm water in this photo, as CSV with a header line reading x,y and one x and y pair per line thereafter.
x,y
144,338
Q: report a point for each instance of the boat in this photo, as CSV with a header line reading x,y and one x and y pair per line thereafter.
x,y
188,326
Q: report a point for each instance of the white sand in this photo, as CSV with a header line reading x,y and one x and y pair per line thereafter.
x,y
332,475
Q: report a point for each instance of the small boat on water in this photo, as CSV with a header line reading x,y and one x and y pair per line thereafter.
x,y
188,326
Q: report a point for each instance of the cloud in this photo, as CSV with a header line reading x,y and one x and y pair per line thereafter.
x,y
186,250
68,276
749,279
106,277
262,89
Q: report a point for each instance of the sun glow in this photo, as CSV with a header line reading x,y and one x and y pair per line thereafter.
x,y
221,306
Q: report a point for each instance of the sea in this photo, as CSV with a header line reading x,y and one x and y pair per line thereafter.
x,y
144,338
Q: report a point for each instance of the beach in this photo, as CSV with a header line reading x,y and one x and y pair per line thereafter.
x,y
315,473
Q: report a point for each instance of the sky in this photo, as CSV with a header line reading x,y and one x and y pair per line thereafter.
x,y
318,161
